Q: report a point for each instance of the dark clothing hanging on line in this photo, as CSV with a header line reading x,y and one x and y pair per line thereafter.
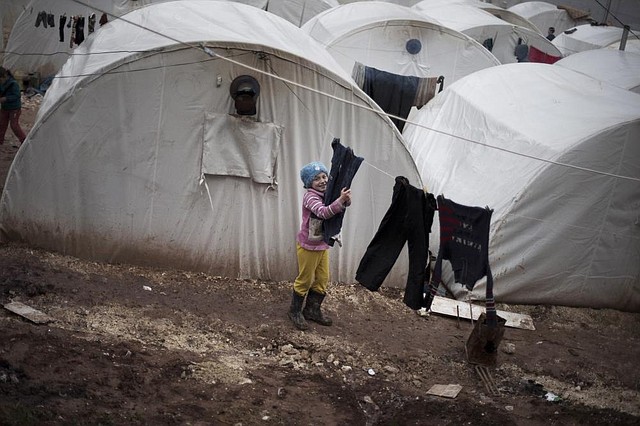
x,y
394,93
408,220
344,166
464,241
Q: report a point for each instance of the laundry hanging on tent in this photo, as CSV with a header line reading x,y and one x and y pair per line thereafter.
x,y
63,20
464,241
344,166
408,220
394,93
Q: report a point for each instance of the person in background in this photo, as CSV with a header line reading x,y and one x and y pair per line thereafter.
x,y
312,251
10,106
552,34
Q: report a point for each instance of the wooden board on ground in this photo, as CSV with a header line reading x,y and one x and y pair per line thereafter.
x,y
28,312
451,307
447,391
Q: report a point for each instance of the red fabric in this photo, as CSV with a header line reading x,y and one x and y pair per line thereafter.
x,y
536,55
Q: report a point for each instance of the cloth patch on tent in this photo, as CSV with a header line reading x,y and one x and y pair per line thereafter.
x,y
240,147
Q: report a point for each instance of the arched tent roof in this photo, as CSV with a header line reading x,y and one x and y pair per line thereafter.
x,y
375,34
299,12
482,26
544,15
137,156
40,49
559,235
618,67
589,37
495,10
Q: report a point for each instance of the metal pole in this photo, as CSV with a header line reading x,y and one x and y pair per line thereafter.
x,y
625,35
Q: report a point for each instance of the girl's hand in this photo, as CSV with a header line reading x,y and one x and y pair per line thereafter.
x,y
345,196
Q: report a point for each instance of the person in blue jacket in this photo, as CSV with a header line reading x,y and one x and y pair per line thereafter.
x,y
10,106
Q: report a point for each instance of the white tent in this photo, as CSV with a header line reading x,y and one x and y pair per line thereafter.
x,y
497,11
544,15
589,37
299,11
489,30
618,67
376,33
555,153
137,155
44,49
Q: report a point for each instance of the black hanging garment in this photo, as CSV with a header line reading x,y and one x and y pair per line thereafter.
x,y
464,241
408,220
92,23
394,93
79,37
63,19
344,166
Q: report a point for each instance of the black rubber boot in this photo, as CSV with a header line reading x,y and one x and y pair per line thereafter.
x,y
312,310
295,312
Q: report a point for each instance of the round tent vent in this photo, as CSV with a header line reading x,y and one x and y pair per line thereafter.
x,y
414,46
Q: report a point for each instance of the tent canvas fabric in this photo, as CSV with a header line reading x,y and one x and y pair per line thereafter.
x,y
481,25
33,49
617,67
375,34
298,12
589,37
504,137
544,15
117,165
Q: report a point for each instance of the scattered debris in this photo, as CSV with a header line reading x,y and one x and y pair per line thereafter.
x,y
460,309
28,312
485,376
447,391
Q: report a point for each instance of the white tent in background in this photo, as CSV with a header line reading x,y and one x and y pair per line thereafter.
x,y
544,15
559,235
589,37
299,11
494,33
495,10
376,33
44,49
618,67
397,40
138,157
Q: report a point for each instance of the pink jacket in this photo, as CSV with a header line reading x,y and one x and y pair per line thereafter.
x,y
313,212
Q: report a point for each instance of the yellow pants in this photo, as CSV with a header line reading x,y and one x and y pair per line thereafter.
x,y
313,271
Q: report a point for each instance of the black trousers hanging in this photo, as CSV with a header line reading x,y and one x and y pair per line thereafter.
x,y
344,166
408,220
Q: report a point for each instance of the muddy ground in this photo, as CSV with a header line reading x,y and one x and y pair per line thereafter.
x,y
131,345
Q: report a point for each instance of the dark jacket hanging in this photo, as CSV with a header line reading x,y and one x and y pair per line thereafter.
x,y
408,220
344,166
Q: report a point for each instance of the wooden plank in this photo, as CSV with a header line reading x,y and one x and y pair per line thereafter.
x,y
451,307
28,312
447,391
